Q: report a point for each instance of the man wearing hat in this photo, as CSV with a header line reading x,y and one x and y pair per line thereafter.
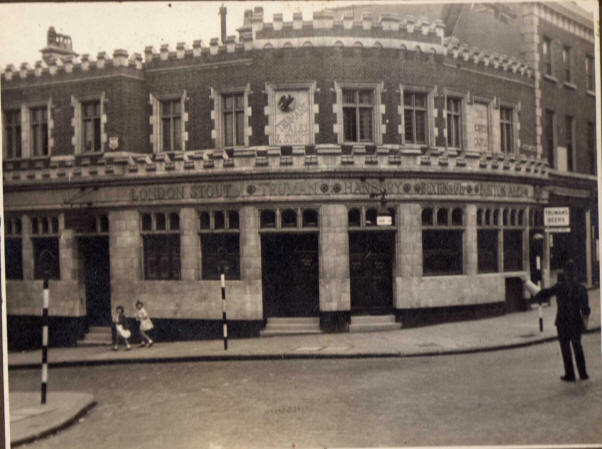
x,y
571,319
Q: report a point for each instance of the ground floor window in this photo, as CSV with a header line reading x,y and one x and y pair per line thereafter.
x,y
161,257
487,250
46,258
220,251
13,256
513,250
442,252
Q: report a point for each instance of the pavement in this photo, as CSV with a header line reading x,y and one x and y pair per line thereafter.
x,y
30,420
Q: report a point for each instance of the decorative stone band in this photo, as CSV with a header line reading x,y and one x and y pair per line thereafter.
x,y
385,158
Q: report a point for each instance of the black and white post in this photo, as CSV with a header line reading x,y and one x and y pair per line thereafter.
x,y
539,307
224,317
45,301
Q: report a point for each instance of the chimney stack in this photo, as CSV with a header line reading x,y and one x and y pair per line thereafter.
x,y
58,46
222,12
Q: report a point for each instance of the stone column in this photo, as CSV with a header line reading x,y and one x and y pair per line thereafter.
x,y
250,260
545,263
470,241
190,245
408,253
334,259
125,248
27,248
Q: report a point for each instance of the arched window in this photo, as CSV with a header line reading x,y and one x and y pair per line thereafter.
x,y
289,218
174,221
427,216
310,218
268,219
147,222
457,217
161,224
205,220
442,216
371,215
354,217
233,219
219,220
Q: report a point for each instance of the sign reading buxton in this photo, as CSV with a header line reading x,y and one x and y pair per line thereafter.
x,y
249,190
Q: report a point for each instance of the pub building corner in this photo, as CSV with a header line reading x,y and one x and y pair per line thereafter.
x,y
405,180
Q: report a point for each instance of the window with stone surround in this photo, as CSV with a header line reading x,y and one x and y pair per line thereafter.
x,y
13,247
234,119
591,148
590,80
91,126
289,218
442,240
168,121
161,245
548,137
546,49
454,122
415,117
220,244
359,113
513,223
506,129
566,62
88,123
230,116
45,240
12,134
39,131
171,125
569,127
488,234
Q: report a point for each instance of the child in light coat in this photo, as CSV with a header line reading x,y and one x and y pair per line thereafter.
x,y
120,329
145,324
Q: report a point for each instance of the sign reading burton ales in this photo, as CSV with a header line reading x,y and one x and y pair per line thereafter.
x,y
327,188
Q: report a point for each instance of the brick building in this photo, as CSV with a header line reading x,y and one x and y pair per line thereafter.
x,y
345,166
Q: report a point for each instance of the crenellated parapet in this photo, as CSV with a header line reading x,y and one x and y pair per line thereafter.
x,y
73,64
387,31
480,57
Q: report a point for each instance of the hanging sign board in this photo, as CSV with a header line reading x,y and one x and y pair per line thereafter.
x,y
556,216
384,220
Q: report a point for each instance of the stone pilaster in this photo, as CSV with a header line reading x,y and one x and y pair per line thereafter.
x,y
545,263
190,245
588,247
125,248
250,244
334,259
68,255
27,248
408,253
470,241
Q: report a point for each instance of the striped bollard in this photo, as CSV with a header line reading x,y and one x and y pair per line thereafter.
x,y
224,318
45,300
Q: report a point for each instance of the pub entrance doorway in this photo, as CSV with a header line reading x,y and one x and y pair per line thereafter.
x,y
371,270
290,275
97,279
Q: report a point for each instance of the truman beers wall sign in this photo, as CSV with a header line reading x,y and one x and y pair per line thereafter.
x,y
327,188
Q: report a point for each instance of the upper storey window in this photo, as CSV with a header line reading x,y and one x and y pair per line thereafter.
x,y
234,119
547,55
171,121
506,129
454,122
415,117
12,134
589,73
566,61
39,131
358,115
91,126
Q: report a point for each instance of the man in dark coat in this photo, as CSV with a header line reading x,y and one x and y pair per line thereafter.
x,y
571,318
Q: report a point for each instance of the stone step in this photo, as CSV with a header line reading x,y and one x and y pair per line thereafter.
x,y
96,336
374,327
294,320
291,326
368,319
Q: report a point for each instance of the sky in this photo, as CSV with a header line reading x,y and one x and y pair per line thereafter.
x,y
132,26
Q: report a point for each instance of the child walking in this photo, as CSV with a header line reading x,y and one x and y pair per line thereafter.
x,y
120,329
145,324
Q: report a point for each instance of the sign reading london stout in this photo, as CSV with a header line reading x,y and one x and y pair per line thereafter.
x,y
249,190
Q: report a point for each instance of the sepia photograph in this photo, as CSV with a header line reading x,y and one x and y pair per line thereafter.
x,y
300,224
